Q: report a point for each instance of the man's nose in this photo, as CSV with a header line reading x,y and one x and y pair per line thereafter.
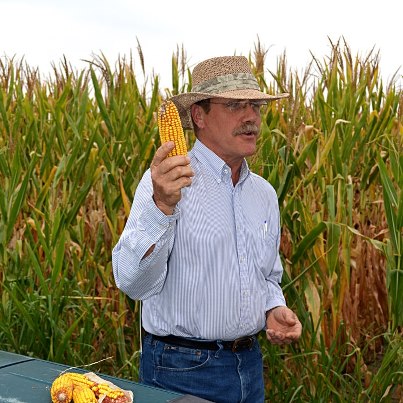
x,y
249,112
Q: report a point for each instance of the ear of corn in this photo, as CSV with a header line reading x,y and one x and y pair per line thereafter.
x,y
170,128
62,389
84,395
81,389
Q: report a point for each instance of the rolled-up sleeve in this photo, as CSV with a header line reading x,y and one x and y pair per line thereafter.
x,y
146,226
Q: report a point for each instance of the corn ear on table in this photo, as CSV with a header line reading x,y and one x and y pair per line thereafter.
x,y
29,380
87,388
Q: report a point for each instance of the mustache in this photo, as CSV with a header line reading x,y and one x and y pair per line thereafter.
x,y
247,128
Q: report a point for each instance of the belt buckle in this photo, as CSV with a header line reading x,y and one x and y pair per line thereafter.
x,y
243,343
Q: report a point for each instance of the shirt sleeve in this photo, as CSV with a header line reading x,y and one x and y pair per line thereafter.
x,y
275,296
146,226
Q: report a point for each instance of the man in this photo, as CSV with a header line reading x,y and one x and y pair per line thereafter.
x,y
201,247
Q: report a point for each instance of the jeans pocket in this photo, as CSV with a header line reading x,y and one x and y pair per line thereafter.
x,y
179,368
177,358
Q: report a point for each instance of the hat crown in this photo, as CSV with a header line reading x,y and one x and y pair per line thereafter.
x,y
219,66
228,77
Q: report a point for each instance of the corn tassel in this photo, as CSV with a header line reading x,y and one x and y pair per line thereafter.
x,y
83,394
62,389
170,128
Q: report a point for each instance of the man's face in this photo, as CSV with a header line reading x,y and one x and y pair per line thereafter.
x,y
230,129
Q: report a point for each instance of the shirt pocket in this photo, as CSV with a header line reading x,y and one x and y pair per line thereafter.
x,y
266,248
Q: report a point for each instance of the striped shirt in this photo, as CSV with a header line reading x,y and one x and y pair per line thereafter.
x,y
215,269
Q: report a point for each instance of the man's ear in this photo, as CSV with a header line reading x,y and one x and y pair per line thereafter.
x,y
197,115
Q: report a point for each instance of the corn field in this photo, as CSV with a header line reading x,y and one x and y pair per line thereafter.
x,y
73,148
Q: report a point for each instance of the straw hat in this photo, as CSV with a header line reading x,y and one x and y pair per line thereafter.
x,y
220,77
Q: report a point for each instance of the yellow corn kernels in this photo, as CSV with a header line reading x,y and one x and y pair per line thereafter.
x,y
81,380
170,128
62,389
122,399
105,389
84,395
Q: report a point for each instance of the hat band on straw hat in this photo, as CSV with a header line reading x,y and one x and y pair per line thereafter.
x,y
228,82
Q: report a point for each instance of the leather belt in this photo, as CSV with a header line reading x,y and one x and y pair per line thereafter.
x,y
236,345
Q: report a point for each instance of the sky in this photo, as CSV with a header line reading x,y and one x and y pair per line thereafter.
x,y
42,32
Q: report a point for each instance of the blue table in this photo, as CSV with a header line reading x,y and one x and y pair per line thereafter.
x,y
28,380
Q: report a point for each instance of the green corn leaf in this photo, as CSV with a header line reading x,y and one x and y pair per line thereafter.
x,y
390,205
331,203
100,101
332,246
285,183
308,240
17,204
4,167
37,268
59,259
26,315
3,114
64,343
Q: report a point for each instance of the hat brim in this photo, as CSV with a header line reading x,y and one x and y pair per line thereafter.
x,y
184,101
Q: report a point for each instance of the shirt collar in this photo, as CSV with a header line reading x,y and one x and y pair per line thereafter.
x,y
215,164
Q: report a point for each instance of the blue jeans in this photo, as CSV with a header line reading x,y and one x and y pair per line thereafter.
x,y
219,376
